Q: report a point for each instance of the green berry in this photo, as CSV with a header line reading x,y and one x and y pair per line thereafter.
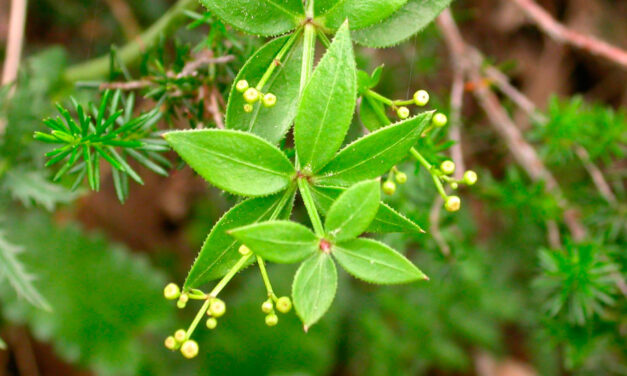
x,y
243,250
453,203
454,185
170,343
267,307
180,335
447,167
269,100
189,349
389,188
241,85
401,177
182,302
248,107
284,304
439,120
212,323
217,308
251,95
272,319
403,112
171,291
421,97
470,177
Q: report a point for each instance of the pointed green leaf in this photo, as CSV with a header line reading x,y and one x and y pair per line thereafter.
x,y
327,105
375,262
315,284
13,270
374,154
387,219
237,162
270,123
360,13
261,17
353,211
407,21
278,241
220,251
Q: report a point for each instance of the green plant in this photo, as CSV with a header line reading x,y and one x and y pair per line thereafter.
x,y
330,136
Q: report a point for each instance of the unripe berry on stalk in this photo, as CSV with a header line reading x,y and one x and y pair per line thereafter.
x,y
248,107
241,85
401,177
251,95
421,98
403,112
267,307
470,177
189,349
447,167
269,100
180,335
243,250
272,319
182,302
389,188
453,203
439,120
212,323
217,308
170,343
171,291
284,304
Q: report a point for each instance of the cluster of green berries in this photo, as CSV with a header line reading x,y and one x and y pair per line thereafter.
x,y
447,168
253,95
180,340
388,186
282,304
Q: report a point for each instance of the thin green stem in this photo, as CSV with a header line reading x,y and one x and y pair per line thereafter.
x,y
308,55
403,102
130,52
305,193
374,95
277,59
421,159
429,167
216,290
264,276
324,39
260,262
309,12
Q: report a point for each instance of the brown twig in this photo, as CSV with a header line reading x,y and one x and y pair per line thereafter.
x,y
562,34
522,151
15,40
188,70
501,81
215,108
125,17
455,132
595,173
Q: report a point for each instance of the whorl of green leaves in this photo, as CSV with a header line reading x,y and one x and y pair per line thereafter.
x,y
109,133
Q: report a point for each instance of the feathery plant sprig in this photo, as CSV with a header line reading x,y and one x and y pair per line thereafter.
x,y
108,132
